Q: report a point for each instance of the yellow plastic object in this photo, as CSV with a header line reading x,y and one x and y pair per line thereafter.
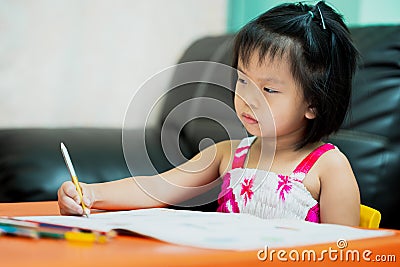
x,y
85,237
369,217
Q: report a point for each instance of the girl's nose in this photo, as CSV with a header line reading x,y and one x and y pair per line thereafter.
x,y
253,105
253,98
251,95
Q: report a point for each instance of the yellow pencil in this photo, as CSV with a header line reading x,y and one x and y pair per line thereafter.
x,y
74,178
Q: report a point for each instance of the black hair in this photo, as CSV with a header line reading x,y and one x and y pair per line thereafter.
x,y
321,55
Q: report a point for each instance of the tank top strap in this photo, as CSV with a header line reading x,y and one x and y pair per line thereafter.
x,y
306,164
242,151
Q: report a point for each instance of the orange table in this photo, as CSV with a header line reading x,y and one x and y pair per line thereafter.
x,y
138,251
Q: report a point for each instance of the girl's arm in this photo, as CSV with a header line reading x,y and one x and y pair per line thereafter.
x,y
174,186
340,196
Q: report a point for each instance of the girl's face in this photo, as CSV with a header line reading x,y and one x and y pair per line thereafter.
x,y
269,102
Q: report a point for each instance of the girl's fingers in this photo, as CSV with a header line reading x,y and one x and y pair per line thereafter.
x,y
69,206
87,196
68,188
68,199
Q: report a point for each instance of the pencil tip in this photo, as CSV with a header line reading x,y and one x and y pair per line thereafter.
x,y
86,212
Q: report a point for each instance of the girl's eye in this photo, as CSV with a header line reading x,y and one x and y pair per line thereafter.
x,y
242,81
271,91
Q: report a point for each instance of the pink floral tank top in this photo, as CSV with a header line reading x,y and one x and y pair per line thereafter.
x,y
266,194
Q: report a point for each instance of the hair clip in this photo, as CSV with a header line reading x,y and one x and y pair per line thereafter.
x,y
322,18
312,14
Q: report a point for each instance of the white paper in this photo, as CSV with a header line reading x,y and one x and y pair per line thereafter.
x,y
214,230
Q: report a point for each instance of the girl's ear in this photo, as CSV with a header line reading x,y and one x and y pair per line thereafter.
x,y
311,113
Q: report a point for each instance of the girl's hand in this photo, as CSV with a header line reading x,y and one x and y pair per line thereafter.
x,y
69,201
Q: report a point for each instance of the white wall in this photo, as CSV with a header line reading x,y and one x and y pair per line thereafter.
x,y
379,12
77,62
368,12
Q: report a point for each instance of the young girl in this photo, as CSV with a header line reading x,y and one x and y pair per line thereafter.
x,y
299,61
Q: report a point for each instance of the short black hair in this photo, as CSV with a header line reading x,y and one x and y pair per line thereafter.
x,y
321,55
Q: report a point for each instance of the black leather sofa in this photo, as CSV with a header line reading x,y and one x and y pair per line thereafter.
x,y
32,167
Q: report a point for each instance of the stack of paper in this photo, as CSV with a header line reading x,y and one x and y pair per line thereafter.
x,y
214,230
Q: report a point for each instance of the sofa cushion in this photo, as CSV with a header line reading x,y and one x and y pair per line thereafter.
x,y
32,167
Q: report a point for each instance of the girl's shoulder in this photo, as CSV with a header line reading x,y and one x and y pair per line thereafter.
x,y
227,147
334,157
226,150
333,162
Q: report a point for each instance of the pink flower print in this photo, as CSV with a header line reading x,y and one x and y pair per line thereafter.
x,y
226,198
231,204
240,157
313,214
284,186
246,191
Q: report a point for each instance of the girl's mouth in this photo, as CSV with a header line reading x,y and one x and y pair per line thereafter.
x,y
249,119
